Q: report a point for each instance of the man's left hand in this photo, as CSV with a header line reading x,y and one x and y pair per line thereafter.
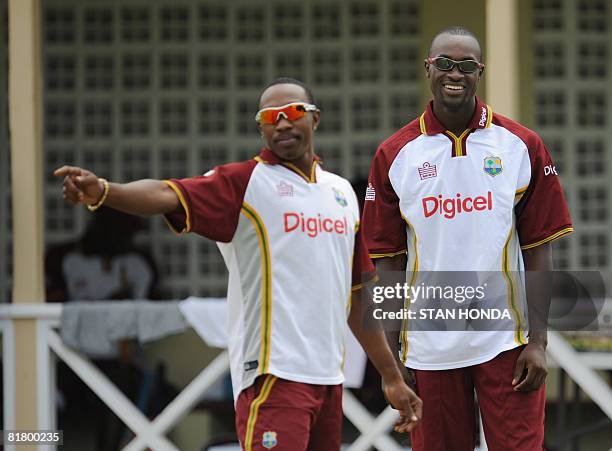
x,y
406,401
531,360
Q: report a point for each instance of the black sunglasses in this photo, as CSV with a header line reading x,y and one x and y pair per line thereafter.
x,y
447,64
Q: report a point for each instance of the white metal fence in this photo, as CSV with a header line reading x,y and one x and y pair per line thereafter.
x,y
148,434
581,367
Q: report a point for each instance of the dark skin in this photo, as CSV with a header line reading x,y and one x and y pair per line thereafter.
x,y
394,386
454,108
530,369
290,141
293,143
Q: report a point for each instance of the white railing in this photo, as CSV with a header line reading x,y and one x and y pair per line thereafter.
x,y
49,345
148,434
152,434
581,367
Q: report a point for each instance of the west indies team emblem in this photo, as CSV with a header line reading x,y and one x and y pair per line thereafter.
x,y
269,439
493,165
339,195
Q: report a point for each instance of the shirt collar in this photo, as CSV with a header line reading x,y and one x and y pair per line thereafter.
x,y
430,125
267,156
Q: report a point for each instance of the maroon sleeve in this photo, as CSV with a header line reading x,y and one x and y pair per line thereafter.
x,y
542,214
210,204
363,268
384,228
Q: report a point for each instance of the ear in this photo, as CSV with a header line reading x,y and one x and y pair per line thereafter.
x,y
316,118
426,65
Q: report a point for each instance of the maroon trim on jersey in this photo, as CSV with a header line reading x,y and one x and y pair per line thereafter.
x,y
268,157
458,143
382,223
433,126
213,201
464,142
481,115
542,213
363,268
430,125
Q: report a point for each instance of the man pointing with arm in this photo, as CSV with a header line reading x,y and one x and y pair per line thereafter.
x,y
289,233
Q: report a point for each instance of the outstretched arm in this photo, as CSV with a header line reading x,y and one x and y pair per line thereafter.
x,y
143,197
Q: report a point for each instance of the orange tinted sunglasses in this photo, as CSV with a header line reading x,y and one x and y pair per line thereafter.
x,y
291,112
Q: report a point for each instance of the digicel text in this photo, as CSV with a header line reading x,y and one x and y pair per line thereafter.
x,y
455,205
312,225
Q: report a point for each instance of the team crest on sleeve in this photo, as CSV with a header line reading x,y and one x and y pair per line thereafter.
x,y
269,440
493,165
340,198
370,193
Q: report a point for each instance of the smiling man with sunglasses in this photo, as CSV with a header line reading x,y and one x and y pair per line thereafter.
x,y
461,189
289,233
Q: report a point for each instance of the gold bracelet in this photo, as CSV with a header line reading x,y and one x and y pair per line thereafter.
x,y
97,205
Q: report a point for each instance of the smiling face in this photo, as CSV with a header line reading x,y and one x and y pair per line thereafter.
x,y
453,89
288,140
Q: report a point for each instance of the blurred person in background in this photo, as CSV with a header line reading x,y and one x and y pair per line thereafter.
x,y
104,264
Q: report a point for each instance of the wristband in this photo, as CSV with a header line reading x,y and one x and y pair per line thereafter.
x,y
97,205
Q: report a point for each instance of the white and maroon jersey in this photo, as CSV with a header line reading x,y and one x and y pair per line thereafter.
x,y
293,249
463,203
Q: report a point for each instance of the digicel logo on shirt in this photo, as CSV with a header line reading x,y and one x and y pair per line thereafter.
x,y
453,206
313,225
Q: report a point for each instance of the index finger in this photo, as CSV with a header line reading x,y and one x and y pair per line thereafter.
x,y
67,170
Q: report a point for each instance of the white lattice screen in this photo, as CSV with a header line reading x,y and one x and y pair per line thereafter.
x,y
169,89
573,111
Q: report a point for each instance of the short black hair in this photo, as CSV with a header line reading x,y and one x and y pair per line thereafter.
x,y
456,30
291,81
